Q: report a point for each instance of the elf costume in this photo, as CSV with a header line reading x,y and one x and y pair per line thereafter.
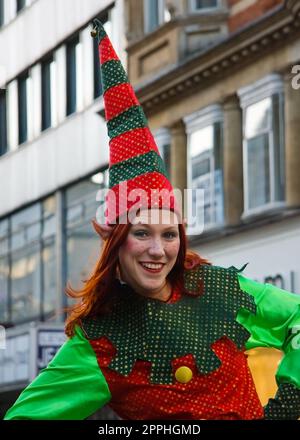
x,y
179,359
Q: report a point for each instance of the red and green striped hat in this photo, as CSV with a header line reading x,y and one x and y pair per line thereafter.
x,y
135,165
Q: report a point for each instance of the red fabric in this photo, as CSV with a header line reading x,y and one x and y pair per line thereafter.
x,y
119,98
117,199
227,393
130,144
106,51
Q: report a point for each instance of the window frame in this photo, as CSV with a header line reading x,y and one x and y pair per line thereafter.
x,y
266,87
193,9
208,116
160,18
3,123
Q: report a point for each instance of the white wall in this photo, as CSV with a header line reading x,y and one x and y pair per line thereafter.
x,y
59,156
40,27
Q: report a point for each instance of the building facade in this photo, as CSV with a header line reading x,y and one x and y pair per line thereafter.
x,y
53,157
219,80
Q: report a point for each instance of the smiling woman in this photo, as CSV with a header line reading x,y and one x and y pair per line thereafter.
x,y
158,332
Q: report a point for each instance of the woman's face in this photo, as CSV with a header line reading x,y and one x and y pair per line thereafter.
x,y
150,252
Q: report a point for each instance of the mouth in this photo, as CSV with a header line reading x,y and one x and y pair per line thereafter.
x,y
153,267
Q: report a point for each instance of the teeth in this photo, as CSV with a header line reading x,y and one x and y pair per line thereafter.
x,y
152,265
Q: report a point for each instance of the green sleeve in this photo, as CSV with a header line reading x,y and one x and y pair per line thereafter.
x,y
276,324
72,387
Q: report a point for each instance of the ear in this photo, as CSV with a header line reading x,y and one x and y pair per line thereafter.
x,y
103,230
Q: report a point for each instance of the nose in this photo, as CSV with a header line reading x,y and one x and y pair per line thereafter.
x,y
156,248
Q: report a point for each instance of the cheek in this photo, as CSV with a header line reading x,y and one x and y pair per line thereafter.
x,y
133,247
172,250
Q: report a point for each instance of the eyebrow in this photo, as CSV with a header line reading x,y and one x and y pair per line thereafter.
x,y
146,225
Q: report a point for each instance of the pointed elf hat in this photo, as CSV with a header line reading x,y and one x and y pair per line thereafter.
x,y
137,175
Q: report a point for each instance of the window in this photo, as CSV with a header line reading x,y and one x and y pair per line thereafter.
x,y
46,93
199,5
49,295
82,241
205,163
3,123
28,264
97,71
1,13
22,106
263,144
163,141
155,14
20,5
71,76
4,272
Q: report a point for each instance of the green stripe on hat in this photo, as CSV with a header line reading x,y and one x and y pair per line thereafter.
x,y
132,118
130,168
113,74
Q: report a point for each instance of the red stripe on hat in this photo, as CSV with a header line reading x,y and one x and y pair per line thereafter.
x,y
117,202
119,98
130,144
106,51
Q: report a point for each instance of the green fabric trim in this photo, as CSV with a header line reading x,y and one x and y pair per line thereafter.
x,y
148,329
72,387
135,166
113,73
132,118
276,324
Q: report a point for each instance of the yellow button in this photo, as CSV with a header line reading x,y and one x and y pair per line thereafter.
x,y
183,374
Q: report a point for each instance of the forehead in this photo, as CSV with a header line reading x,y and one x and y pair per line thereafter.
x,y
156,217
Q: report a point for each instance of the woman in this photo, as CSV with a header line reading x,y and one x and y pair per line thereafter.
x,y
159,333
136,344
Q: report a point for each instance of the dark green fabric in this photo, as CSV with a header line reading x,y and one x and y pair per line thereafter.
x,y
285,405
132,118
72,387
135,166
113,73
148,329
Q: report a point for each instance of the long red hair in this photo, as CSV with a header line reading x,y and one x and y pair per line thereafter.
x,y
96,295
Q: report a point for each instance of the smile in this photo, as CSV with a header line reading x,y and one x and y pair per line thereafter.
x,y
152,267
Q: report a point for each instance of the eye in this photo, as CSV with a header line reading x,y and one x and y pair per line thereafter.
x,y
141,233
170,235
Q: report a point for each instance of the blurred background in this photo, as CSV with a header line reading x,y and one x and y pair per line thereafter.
x,y
218,82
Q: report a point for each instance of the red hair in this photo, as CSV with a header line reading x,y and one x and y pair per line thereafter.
x,y
97,293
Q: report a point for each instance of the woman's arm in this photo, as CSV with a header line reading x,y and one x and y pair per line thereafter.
x,y
276,324
72,387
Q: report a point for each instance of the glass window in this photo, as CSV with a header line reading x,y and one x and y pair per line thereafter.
x,y
71,76
263,147
204,4
26,284
3,123
46,93
155,14
21,5
4,271
1,13
163,142
4,276
206,170
49,285
83,244
22,108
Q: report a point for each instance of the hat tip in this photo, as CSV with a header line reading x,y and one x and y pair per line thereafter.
x,y
98,29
